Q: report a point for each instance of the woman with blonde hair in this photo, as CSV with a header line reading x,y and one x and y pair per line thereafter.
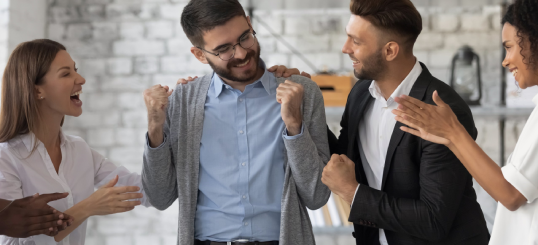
x,y
514,186
40,87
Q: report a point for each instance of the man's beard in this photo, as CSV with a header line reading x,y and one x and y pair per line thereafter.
x,y
372,67
248,76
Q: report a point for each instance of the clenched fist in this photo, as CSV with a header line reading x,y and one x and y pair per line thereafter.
x,y
156,99
339,176
290,96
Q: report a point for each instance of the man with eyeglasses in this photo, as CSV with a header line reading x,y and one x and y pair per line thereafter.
x,y
241,150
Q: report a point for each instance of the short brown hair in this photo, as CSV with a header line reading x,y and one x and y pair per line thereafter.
x,y
399,17
200,16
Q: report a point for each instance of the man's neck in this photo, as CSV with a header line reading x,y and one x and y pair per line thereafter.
x,y
395,75
242,85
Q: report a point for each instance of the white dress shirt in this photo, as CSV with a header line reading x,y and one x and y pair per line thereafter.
x,y
81,170
521,226
375,131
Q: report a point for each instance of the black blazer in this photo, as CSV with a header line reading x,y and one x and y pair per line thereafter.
x,y
427,195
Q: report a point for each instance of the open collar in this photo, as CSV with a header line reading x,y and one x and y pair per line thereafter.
x,y
404,88
267,80
29,140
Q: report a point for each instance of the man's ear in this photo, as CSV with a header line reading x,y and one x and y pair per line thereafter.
x,y
199,54
391,50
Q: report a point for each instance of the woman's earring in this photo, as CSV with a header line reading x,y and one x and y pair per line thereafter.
x,y
41,97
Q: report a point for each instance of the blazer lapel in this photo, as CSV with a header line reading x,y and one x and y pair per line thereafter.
x,y
418,92
356,114
357,109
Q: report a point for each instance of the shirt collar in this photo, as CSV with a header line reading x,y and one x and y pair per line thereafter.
x,y
535,99
404,87
267,80
29,140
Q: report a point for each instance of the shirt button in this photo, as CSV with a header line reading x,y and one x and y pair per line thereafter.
x,y
240,100
244,197
246,223
241,132
243,164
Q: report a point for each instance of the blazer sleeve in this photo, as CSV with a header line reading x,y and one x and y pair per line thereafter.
x,y
442,183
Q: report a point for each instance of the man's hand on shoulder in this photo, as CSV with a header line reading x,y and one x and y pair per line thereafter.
x,y
185,81
283,71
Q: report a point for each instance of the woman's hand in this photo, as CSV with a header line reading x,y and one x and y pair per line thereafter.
x,y
437,124
107,200
110,200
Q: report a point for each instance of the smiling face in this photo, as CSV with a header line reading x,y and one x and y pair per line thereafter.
x,y
364,47
59,92
243,66
524,74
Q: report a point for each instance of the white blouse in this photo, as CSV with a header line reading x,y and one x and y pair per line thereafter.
x,y
521,226
81,170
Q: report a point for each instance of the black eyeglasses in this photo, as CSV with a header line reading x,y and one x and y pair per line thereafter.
x,y
227,52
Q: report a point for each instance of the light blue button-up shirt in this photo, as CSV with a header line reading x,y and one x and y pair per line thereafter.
x,y
241,163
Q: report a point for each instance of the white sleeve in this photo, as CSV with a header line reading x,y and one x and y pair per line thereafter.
x,y
106,170
11,189
5,240
10,183
520,180
355,194
522,167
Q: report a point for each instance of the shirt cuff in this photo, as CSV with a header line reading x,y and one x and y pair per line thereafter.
x,y
286,136
355,194
520,182
158,147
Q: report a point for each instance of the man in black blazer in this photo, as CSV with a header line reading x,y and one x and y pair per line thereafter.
x,y
403,190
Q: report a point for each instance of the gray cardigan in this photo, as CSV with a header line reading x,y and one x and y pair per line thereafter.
x,y
171,170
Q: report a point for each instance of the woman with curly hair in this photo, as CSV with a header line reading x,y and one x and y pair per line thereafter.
x,y
515,186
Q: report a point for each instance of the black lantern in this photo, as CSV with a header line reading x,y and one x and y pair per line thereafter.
x,y
465,76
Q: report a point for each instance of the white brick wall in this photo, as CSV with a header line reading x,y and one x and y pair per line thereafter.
x,y
4,29
138,47
132,30
125,46
446,22
475,22
120,66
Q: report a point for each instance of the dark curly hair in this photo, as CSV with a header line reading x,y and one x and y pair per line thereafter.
x,y
523,15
